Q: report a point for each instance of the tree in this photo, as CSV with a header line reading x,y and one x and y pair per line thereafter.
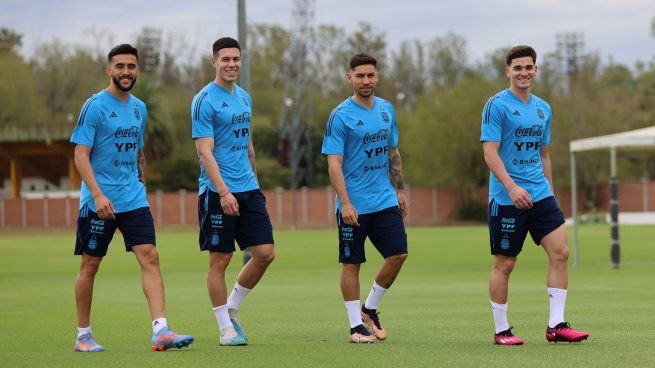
x,y
10,41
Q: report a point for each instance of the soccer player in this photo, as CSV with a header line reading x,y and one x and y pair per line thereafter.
x,y
109,156
515,138
230,205
361,144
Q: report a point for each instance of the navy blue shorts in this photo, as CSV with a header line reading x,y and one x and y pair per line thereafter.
x,y
385,228
218,231
508,225
94,234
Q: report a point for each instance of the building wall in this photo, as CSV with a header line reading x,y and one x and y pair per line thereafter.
x,y
314,208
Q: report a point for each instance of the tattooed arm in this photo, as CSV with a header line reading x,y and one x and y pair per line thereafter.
x,y
141,165
396,176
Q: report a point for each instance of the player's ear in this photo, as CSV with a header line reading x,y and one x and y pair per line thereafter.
x,y
507,71
348,77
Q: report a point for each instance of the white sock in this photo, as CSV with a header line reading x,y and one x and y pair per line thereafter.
x,y
222,317
83,331
557,303
354,313
500,316
375,296
158,324
236,296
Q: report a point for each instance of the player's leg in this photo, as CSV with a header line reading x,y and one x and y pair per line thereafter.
x,y
549,230
138,229
92,240
351,256
508,228
253,231
387,233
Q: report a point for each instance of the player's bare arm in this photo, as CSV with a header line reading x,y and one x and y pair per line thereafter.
x,y
518,195
104,207
205,149
141,166
348,211
251,157
548,170
396,174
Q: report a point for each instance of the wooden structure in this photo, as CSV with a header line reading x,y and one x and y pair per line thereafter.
x,y
37,151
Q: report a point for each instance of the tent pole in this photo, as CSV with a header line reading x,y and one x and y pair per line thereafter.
x,y
614,211
574,210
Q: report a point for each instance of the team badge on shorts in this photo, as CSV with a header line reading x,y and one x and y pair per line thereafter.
x,y
92,244
214,240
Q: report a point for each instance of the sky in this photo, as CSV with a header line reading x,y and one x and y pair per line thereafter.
x,y
619,29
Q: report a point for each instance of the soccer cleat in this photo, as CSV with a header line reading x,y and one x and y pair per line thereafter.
x,y
564,333
230,337
87,344
166,339
234,318
360,335
370,317
507,338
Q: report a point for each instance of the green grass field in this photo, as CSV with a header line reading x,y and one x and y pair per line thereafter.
x,y
437,313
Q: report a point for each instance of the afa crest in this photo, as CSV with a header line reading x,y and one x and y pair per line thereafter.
x,y
385,117
137,114
540,113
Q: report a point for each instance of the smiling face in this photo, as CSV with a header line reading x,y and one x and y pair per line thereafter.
x,y
227,63
364,79
521,73
123,71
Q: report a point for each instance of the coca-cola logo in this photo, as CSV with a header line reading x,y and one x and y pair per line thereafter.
x,y
533,131
241,118
381,135
131,132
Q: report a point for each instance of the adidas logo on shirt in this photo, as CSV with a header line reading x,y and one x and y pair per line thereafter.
x,y
113,115
360,123
224,105
516,113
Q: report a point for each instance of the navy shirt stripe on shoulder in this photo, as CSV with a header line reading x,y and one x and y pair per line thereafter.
x,y
328,128
487,110
85,108
196,108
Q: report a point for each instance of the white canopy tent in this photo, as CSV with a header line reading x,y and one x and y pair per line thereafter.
x,y
639,138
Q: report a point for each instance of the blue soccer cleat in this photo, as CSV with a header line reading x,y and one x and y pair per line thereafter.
x,y
230,337
166,339
87,344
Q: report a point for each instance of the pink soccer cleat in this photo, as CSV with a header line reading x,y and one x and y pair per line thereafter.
x,y
507,338
564,333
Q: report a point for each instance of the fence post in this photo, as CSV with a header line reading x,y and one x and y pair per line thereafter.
x,y
158,201
23,206
435,204
45,211
409,204
303,192
67,209
182,193
2,211
278,204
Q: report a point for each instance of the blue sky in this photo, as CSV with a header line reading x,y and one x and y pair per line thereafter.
x,y
620,29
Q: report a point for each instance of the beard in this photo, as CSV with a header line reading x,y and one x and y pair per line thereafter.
x,y
365,95
118,84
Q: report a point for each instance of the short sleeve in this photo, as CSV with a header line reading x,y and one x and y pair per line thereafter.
x,y
201,117
144,118
393,136
492,122
545,141
334,140
87,124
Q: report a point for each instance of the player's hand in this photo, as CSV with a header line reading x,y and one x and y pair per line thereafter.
x,y
229,205
403,203
104,207
349,214
520,197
